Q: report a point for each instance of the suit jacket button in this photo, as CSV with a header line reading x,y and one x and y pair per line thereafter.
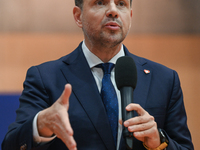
x,y
23,147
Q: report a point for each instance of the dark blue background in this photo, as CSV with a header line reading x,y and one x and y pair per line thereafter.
x,y
8,105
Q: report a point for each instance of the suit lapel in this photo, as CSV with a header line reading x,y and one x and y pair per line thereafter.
x,y
84,87
143,79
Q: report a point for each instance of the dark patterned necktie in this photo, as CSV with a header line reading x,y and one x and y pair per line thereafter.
x,y
109,97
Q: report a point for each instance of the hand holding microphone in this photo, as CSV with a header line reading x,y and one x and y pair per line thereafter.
x,y
143,127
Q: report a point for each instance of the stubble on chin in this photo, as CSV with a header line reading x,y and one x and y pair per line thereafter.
x,y
104,38
111,39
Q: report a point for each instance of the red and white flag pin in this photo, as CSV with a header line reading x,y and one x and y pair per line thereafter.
x,y
146,71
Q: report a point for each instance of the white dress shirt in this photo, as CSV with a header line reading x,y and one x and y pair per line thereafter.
x,y
92,60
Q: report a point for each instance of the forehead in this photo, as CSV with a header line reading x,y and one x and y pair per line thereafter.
x,y
105,0
86,3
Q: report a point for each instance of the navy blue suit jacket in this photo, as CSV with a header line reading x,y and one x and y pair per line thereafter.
x,y
158,92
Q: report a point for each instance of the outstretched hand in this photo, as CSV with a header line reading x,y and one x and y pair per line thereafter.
x,y
55,120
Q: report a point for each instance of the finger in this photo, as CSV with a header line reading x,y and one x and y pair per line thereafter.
x,y
142,127
137,108
68,139
70,143
64,131
139,120
64,98
146,133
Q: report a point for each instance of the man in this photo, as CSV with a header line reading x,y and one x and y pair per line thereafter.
x,y
52,119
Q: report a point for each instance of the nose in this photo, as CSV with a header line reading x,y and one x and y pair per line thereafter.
x,y
112,11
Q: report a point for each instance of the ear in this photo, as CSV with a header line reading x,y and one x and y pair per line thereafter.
x,y
131,13
77,16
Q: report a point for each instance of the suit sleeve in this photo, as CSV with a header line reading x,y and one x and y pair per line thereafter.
x,y
34,98
176,128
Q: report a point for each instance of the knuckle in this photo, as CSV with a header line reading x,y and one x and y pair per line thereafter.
x,y
143,127
152,118
69,132
154,130
155,124
137,105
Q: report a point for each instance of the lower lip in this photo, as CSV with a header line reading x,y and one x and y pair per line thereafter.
x,y
113,27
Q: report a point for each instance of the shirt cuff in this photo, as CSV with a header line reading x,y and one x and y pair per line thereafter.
x,y
37,138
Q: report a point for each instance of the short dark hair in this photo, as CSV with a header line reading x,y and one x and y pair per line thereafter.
x,y
79,3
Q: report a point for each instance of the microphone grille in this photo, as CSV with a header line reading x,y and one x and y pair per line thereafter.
x,y
125,72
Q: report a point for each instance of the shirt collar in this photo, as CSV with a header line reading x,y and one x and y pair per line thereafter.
x,y
93,60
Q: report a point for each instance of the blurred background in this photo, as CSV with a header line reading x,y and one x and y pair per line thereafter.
x,y
35,31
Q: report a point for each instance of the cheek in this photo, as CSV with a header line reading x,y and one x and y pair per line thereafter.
x,y
126,22
93,20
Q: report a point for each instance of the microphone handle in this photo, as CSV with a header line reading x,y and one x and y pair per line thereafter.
x,y
127,98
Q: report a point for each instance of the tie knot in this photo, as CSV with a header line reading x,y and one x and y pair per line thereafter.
x,y
106,67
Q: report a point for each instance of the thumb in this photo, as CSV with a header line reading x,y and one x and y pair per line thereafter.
x,y
64,98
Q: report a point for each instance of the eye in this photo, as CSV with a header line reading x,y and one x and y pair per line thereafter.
x,y
99,2
121,3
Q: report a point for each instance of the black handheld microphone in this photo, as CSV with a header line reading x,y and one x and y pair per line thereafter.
x,y
126,80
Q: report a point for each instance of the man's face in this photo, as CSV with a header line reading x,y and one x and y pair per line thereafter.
x,y
106,22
